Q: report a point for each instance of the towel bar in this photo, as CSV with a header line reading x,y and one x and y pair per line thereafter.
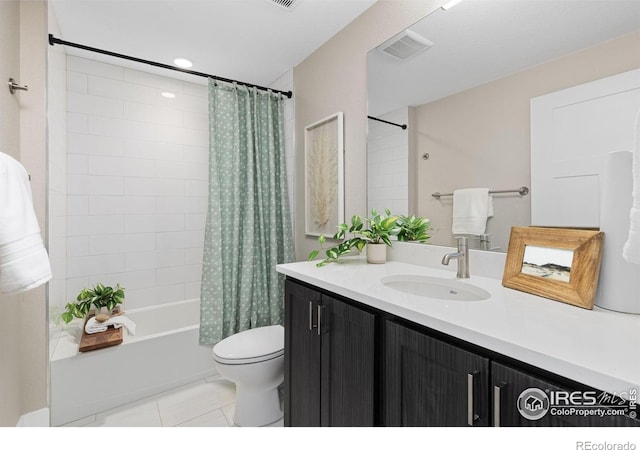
x,y
522,191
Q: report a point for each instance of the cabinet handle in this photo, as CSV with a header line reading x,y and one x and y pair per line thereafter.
x,y
320,308
496,405
311,325
471,416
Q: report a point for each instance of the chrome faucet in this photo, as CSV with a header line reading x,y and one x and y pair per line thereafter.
x,y
462,255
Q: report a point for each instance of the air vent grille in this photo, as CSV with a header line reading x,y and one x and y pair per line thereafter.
x,y
405,45
285,4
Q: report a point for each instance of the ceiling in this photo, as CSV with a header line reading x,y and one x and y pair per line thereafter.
x,y
478,41
254,41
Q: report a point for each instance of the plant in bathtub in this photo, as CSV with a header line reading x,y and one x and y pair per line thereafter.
x,y
99,297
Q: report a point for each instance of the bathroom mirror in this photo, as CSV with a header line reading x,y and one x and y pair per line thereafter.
x,y
465,96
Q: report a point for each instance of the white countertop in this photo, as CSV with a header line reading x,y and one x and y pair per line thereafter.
x,y
599,348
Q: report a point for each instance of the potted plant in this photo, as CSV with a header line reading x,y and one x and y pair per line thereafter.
x,y
373,232
103,298
413,228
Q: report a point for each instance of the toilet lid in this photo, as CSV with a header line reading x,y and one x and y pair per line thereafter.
x,y
256,344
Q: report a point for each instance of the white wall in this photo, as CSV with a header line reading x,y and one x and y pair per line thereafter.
x,y
388,163
137,171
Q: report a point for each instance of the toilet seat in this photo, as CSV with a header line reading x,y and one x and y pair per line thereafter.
x,y
251,346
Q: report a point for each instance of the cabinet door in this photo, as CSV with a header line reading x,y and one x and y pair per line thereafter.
x,y
301,357
348,364
508,384
431,383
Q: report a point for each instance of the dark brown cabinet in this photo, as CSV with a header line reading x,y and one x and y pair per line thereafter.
x,y
347,365
431,383
515,390
329,360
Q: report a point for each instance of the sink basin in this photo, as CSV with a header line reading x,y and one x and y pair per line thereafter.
x,y
435,287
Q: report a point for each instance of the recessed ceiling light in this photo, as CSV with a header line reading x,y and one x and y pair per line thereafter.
x,y
168,95
450,4
182,62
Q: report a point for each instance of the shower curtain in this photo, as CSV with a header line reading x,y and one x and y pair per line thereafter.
x,y
248,228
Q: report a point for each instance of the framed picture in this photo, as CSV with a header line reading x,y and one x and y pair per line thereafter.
x,y
324,175
558,263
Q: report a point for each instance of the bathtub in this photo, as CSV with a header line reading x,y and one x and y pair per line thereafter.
x,y
163,354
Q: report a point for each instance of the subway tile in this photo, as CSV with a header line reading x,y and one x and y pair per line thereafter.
x,y
192,272
107,165
193,255
91,225
152,80
153,150
153,187
77,122
121,90
196,188
193,238
170,240
194,221
129,280
89,66
77,164
76,82
152,114
99,106
100,204
171,169
196,121
88,144
197,171
100,264
169,258
121,243
170,205
196,205
196,90
192,290
77,246
197,154
95,185
171,275
77,205
112,127
169,222
140,223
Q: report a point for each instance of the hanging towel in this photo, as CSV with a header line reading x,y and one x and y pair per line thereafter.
x,y
471,209
93,326
24,263
631,249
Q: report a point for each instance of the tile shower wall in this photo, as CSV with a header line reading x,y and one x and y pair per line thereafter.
x,y
136,182
137,175
387,163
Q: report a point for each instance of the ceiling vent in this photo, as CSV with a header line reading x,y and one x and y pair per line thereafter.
x,y
285,4
405,45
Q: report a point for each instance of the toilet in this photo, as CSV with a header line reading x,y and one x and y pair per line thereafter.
x,y
254,360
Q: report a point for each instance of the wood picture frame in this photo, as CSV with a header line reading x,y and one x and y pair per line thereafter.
x,y
324,175
527,271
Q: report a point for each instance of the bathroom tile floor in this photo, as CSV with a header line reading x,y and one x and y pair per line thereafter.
x,y
205,403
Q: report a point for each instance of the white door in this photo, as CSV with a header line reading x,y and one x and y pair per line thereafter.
x,y
572,131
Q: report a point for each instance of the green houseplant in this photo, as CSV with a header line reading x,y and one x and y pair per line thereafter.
x,y
412,228
99,297
375,233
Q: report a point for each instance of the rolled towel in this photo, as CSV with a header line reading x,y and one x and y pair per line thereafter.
x,y
631,249
93,326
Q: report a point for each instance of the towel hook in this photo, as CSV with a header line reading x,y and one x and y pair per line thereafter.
x,y
13,86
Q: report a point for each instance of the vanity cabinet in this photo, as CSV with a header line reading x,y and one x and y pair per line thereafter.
x,y
347,365
431,383
509,383
329,360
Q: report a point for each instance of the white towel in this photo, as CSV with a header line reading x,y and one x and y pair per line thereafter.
x,y
471,209
24,263
93,326
631,249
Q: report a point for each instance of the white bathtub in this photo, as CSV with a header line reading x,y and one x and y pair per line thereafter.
x,y
163,354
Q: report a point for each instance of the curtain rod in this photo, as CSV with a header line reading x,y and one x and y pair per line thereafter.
x,y
403,126
54,40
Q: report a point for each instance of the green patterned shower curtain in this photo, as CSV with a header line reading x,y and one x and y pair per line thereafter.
x,y
248,228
